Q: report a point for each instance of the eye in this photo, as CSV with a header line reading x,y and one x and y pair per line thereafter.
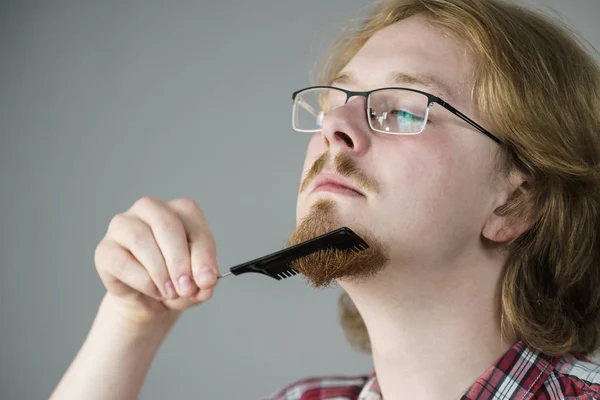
x,y
407,117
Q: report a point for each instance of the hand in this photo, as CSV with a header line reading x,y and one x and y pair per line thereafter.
x,y
157,259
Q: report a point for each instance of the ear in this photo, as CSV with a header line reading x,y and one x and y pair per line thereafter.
x,y
514,212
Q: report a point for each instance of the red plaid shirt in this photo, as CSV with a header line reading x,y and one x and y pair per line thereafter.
x,y
522,373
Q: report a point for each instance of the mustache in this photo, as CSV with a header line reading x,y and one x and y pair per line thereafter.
x,y
345,166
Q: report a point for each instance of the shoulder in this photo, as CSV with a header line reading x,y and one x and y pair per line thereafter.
x,y
322,388
575,377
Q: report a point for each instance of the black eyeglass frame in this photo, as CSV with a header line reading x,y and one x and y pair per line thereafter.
x,y
430,99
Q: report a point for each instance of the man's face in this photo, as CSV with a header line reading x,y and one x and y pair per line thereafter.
x,y
425,198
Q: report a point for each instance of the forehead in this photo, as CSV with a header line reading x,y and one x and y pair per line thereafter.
x,y
413,47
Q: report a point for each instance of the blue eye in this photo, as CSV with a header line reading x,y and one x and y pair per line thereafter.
x,y
407,117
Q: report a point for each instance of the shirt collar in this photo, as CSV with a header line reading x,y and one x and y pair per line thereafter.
x,y
519,373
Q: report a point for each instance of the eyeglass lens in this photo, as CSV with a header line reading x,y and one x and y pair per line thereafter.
x,y
389,110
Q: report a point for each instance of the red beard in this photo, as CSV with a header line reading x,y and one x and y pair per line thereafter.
x,y
322,267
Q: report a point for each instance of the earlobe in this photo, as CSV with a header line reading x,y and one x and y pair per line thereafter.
x,y
515,212
502,229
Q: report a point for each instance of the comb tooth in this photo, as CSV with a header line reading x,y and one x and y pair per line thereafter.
x,y
288,273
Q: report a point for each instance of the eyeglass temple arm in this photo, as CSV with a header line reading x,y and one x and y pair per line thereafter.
x,y
307,107
470,122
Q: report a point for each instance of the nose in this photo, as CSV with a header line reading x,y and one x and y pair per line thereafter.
x,y
346,129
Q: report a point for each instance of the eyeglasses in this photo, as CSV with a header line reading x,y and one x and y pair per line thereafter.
x,y
392,110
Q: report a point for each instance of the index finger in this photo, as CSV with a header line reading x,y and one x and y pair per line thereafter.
x,y
203,250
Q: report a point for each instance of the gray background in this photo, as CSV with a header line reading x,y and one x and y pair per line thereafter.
x,y
104,102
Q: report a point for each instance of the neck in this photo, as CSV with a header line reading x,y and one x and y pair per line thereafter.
x,y
434,329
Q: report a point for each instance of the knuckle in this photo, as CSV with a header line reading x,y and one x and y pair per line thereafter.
x,y
144,202
125,227
109,260
188,205
116,222
118,265
139,234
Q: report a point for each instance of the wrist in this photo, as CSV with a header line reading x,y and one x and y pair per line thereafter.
x,y
112,316
116,355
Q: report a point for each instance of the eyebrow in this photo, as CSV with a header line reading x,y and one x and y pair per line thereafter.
x,y
432,83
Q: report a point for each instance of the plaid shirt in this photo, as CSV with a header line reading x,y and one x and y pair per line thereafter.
x,y
522,373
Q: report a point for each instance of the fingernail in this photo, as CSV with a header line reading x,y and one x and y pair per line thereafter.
x,y
170,289
185,284
205,275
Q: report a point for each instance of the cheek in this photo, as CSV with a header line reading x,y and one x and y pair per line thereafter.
x,y
420,166
434,184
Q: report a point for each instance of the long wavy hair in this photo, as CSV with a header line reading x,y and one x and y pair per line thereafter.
x,y
538,88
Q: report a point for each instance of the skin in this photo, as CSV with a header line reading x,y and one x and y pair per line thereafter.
x,y
432,311
436,303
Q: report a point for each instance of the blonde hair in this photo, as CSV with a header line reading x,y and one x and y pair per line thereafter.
x,y
538,89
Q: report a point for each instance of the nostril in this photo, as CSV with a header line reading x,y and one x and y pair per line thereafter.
x,y
346,139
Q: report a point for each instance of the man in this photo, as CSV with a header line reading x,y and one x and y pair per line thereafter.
x,y
461,139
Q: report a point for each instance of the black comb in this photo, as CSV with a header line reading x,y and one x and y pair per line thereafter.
x,y
278,265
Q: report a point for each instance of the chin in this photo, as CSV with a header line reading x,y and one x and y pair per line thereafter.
x,y
340,210
324,267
